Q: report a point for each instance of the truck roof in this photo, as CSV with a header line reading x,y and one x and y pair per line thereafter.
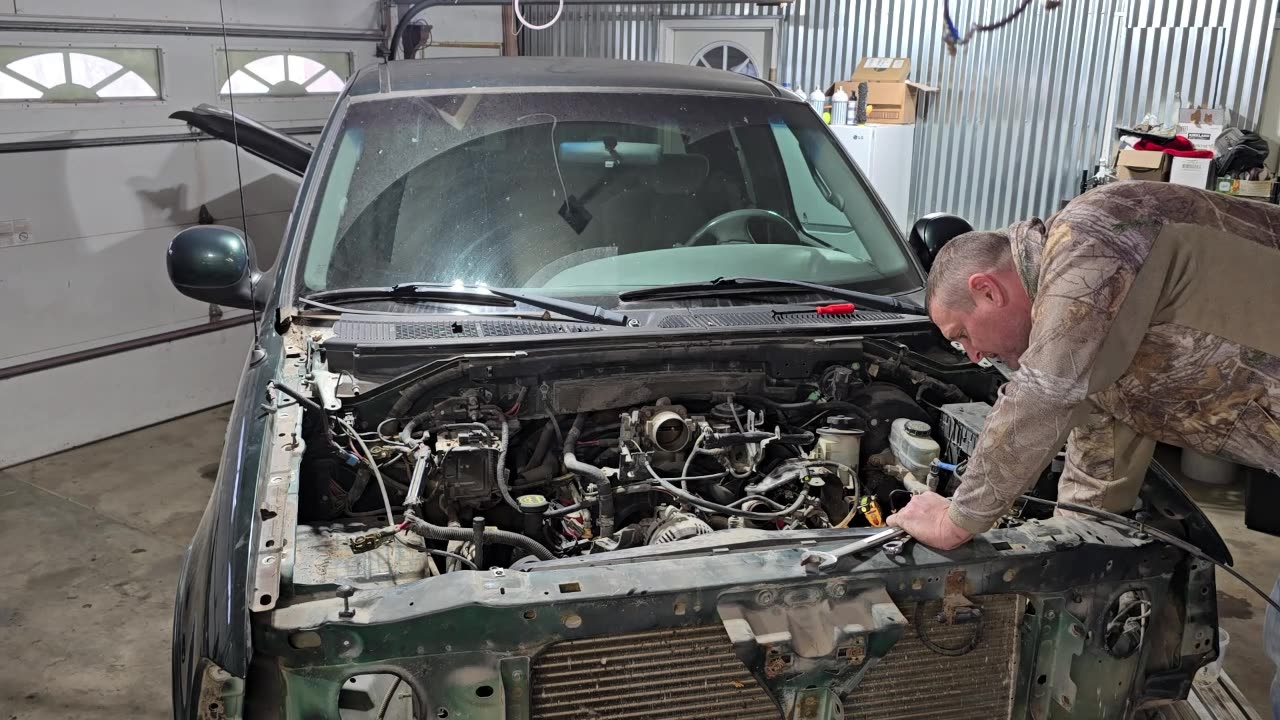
x,y
542,73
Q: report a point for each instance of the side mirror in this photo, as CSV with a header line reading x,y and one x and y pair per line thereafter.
x,y
933,231
215,264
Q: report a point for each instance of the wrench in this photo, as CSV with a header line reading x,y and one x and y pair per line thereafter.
x,y
817,560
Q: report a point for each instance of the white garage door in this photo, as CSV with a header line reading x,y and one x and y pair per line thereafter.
x,y
97,179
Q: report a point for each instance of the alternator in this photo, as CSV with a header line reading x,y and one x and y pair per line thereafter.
x,y
675,525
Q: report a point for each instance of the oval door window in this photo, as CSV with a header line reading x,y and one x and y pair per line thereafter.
x,y
727,56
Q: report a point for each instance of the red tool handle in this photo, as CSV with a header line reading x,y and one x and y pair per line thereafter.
x,y
836,309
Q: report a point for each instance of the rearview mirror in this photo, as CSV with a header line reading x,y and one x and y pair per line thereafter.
x,y
608,152
215,264
933,231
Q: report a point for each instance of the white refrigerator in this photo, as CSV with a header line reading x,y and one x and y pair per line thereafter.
x,y
884,154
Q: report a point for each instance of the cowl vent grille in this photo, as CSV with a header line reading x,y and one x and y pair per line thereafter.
x,y
748,318
455,330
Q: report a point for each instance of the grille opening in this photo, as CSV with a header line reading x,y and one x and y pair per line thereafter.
x,y
686,673
570,587
977,685
692,673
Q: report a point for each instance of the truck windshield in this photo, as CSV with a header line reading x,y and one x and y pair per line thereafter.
x,y
589,194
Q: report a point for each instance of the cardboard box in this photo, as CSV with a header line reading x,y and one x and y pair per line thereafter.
x,y
1142,165
1201,126
1257,189
1193,172
891,97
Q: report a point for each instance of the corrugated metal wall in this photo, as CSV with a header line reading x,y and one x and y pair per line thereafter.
x,y
1022,112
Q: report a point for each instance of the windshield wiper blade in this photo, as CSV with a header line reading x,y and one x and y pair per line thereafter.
x,y
442,294
724,285
568,308
475,295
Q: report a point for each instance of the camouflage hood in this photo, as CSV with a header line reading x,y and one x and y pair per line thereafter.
x,y
1027,239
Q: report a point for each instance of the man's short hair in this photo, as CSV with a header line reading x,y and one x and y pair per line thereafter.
x,y
958,260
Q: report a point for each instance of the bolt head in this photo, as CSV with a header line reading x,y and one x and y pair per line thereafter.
x,y
345,591
766,597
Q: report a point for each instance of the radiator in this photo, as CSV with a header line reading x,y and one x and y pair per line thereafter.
x,y
670,674
914,682
693,674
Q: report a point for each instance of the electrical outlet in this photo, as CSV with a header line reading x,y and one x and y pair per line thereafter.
x,y
15,232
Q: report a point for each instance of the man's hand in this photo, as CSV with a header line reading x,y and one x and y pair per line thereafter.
x,y
925,519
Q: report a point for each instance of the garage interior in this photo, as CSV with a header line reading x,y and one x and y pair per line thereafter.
x,y
116,389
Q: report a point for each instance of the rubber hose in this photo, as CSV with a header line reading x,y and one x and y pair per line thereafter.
x,y
541,474
397,36
721,440
845,407
491,536
569,510
603,488
715,441
313,406
363,475
724,509
540,450
410,395
501,470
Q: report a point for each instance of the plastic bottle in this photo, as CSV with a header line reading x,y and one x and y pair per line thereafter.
x,y
839,107
818,101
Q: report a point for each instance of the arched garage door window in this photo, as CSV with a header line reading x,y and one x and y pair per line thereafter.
x,y
286,74
79,75
727,56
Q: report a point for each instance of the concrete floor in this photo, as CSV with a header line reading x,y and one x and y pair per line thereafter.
x,y
91,541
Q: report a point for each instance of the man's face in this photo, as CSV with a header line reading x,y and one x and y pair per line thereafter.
x,y
996,326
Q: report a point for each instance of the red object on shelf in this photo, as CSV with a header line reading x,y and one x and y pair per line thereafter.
x,y
836,309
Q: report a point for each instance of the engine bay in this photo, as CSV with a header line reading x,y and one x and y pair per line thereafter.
x,y
453,532
488,466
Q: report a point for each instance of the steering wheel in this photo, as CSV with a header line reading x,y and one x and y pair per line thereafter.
x,y
731,227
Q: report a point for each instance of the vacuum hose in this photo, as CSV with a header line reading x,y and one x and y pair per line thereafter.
x,y
603,488
491,536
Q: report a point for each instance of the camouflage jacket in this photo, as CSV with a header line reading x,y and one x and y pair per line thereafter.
x,y
1154,318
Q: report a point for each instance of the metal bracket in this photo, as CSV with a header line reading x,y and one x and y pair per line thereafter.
x,y
956,608
810,645
278,507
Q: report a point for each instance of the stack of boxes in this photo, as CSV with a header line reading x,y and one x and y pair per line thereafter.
x,y
891,95
1202,128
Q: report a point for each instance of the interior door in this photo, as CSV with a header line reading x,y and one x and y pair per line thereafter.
x,y
747,45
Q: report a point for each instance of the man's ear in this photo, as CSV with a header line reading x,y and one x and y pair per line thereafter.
x,y
983,287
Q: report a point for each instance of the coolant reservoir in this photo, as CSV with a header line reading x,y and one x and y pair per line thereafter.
x,y
912,446
840,441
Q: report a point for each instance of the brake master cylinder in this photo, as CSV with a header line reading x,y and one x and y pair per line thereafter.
x,y
840,441
913,446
